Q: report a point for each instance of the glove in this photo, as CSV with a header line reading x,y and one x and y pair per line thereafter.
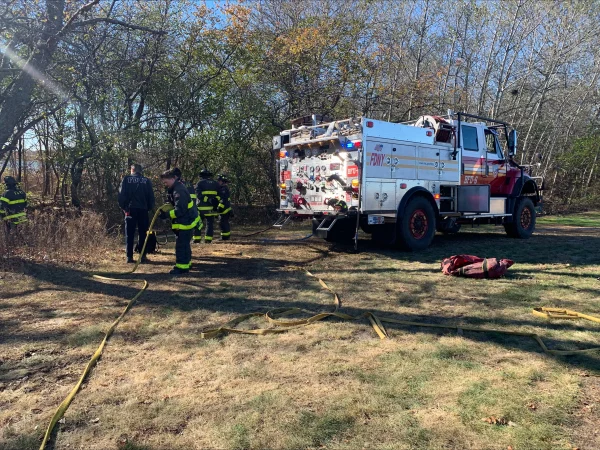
x,y
163,215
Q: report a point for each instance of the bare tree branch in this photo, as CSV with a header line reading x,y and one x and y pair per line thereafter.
x,y
116,22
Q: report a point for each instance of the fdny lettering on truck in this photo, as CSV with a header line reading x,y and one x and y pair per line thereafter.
x,y
376,159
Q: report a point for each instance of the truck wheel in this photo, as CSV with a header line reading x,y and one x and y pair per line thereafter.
x,y
416,227
447,226
523,224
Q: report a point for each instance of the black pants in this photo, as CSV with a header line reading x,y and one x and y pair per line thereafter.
x,y
183,249
225,227
137,218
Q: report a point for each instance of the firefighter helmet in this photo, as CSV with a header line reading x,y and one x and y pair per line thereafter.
x,y
177,172
223,178
10,181
205,173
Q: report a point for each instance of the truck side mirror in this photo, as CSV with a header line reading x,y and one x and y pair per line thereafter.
x,y
512,142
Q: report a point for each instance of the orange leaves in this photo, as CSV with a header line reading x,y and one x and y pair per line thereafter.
x,y
493,420
305,40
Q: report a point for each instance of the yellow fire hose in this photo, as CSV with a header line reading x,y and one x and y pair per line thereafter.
x,y
60,411
275,317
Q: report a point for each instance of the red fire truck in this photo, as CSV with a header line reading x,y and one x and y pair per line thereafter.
x,y
400,182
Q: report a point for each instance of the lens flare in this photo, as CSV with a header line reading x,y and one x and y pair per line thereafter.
x,y
41,79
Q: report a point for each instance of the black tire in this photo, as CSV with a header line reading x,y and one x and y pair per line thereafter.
x,y
523,224
416,226
447,226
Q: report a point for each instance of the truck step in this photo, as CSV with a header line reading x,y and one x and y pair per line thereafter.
x,y
282,220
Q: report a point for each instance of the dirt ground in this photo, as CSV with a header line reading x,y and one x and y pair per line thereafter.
x,y
333,384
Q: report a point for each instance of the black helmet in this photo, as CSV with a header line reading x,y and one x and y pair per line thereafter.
x,y
223,178
332,201
177,172
10,181
205,173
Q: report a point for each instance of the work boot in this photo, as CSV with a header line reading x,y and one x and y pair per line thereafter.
x,y
130,261
178,271
144,260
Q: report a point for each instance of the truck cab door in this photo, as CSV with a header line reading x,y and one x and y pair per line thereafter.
x,y
472,158
495,173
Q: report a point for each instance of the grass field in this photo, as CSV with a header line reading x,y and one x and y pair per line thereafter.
x,y
333,384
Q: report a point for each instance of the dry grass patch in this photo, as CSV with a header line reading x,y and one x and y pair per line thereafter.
x,y
333,384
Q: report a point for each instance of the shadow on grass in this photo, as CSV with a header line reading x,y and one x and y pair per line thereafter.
x,y
198,292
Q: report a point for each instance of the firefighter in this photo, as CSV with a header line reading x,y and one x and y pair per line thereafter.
x,y
207,191
340,206
12,204
184,217
224,208
189,187
136,198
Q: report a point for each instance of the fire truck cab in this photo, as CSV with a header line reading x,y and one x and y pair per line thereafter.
x,y
400,182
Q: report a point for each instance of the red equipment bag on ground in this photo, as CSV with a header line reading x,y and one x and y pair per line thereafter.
x,y
475,267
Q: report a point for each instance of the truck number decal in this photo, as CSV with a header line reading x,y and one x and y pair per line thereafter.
x,y
352,171
469,179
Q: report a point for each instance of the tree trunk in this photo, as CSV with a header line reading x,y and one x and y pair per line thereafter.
x,y
18,99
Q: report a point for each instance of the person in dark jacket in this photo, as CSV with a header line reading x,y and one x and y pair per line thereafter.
x,y
184,218
12,204
189,186
136,198
224,208
207,191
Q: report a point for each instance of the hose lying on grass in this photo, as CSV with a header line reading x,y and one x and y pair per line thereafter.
x,y
277,318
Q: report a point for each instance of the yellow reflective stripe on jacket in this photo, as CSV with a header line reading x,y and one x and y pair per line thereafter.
x,y
12,202
205,208
226,210
172,214
14,216
178,226
209,192
190,205
193,196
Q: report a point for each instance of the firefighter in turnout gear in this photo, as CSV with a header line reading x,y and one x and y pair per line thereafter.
x,y
188,186
12,204
340,206
224,208
136,198
184,218
207,191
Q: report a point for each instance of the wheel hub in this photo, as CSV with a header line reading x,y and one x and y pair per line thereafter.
x,y
418,224
525,218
